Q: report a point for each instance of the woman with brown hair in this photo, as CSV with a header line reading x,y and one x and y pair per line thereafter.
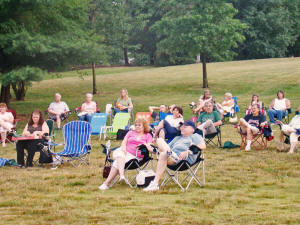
x,y
129,150
35,128
6,122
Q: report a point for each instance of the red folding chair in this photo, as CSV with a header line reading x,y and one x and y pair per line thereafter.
x,y
259,141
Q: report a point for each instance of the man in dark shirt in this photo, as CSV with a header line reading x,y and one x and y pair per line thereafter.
x,y
251,124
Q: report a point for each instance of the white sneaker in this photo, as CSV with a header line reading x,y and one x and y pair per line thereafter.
x,y
152,187
248,148
103,187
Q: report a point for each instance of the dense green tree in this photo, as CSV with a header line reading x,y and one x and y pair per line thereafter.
x,y
273,26
205,27
42,34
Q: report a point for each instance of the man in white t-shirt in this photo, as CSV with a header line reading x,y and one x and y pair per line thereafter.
x,y
58,110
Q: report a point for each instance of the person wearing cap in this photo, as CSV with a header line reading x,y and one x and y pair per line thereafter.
x,y
176,150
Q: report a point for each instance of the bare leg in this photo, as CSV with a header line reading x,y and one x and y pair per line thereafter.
x,y
113,173
3,138
162,134
162,163
121,166
58,121
293,140
158,127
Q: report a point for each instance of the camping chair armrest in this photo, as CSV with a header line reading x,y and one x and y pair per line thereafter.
x,y
195,149
17,120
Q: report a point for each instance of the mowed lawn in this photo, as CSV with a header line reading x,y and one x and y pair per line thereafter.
x,y
257,187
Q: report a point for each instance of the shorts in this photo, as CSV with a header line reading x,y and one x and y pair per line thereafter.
x,y
120,153
62,117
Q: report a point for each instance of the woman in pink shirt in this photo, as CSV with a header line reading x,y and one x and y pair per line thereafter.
x,y
88,108
129,150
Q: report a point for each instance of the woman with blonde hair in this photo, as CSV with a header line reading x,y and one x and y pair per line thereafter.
x,y
6,122
129,150
123,103
227,105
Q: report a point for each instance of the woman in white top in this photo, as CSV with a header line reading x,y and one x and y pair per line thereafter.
x,y
88,108
169,127
206,97
278,107
6,122
292,130
227,105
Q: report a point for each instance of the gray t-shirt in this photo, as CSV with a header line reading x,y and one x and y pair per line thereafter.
x,y
180,144
59,107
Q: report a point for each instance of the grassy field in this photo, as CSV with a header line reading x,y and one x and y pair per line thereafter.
x,y
257,187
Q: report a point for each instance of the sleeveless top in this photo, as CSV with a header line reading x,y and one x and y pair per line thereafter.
x,y
279,104
32,129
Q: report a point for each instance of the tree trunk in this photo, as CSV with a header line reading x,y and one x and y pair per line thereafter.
x,y
19,90
5,94
204,73
126,57
94,78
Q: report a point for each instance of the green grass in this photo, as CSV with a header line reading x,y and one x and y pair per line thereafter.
x,y
259,187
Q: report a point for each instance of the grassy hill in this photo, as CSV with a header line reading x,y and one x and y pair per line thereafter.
x,y
257,187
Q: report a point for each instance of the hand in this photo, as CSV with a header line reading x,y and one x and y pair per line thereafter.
x,y
26,134
183,155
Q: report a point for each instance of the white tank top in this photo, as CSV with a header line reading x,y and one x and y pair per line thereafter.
x,y
279,104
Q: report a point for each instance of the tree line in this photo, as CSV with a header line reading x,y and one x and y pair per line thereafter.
x,y
37,36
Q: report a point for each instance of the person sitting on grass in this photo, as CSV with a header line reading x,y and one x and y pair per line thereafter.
x,y
206,97
128,150
123,103
6,122
209,120
36,127
292,130
168,128
226,106
177,150
278,107
88,108
251,124
58,110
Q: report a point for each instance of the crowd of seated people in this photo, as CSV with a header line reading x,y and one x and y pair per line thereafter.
x,y
172,134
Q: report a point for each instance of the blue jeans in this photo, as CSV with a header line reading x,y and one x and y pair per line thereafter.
x,y
170,132
117,110
87,118
276,114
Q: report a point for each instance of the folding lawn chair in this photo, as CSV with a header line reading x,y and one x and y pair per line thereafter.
x,y
214,139
120,121
132,165
99,124
188,170
65,118
76,143
145,115
259,141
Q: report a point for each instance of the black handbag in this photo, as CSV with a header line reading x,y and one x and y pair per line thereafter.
x,y
107,167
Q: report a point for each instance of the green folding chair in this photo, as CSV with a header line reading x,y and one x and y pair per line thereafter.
x,y
50,124
120,121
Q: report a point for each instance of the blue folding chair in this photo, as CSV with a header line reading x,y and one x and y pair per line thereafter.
x,y
99,124
76,143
